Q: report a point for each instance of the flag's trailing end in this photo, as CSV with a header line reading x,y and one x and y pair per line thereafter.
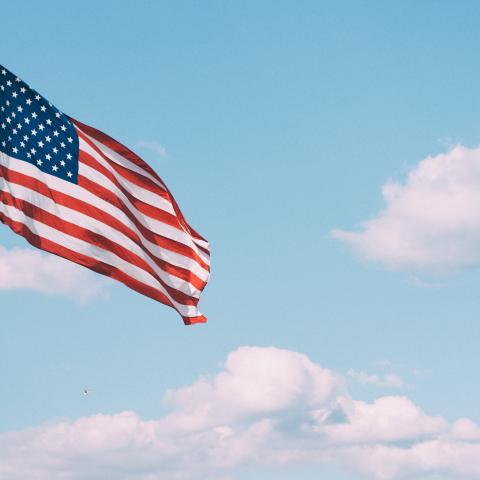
x,y
74,191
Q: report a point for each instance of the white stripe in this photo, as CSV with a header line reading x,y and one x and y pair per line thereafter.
x,y
151,199
148,222
204,256
122,161
79,193
93,252
84,221
201,243
142,194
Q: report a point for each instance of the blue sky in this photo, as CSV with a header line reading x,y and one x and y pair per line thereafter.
x,y
280,121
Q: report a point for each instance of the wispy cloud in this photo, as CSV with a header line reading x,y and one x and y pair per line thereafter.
x,y
422,372
385,380
431,222
157,148
384,364
425,284
267,408
23,268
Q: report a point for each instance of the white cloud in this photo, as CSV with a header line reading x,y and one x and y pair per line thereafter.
x,y
387,419
267,408
431,222
281,380
22,268
459,460
384,364
465,429
155,147
385,380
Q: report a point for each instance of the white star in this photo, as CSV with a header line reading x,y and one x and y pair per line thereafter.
x,y
4,72
58,115
34,132
25,137
69,157
14,94
49,122
70,174
27,120
39,162
62,163
9,83
47,139
48,156
28,102
55,150
34,115
70,139
54,168
64,128
19,108
62,145
40,144
33,151
41,127
55,134
23,89
37,97
15,150
43,108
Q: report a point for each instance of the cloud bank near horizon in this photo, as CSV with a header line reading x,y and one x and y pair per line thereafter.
x,y
266,408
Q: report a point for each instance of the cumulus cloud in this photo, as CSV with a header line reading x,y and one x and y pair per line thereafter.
x,y
23,268
431,222
155,147
255,382
386,380
267,408
465,429
387,419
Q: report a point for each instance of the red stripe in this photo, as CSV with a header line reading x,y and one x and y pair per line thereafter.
x,y
92,264
134,177
110,197
117,147
101,241
193,320
145,208
92,238
104,217
135,159
192,232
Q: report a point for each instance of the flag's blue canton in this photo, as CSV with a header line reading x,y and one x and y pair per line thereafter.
x,y
32,129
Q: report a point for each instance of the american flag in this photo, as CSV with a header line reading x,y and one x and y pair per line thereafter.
x,y
72,190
